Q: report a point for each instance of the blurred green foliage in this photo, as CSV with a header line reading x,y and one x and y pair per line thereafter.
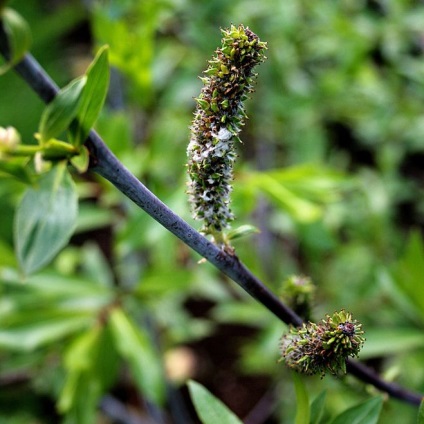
x,y
330,171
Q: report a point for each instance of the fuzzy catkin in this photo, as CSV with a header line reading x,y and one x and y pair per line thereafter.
x,y
319,348
217,122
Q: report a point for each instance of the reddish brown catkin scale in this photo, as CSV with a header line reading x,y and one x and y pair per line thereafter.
x,y
217,122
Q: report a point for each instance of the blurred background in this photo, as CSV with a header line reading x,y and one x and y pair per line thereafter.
x,y
331,172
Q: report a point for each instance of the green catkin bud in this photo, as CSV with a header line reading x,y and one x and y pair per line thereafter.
x,y
218,119
298,293
319,348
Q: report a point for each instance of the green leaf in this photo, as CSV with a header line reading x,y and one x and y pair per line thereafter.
x,y
133,344
45,219
53,284
17,169
390,341
302,405
122,37
78,360
18,35
46,309
35,333
58,115
367,412
299,208
420,418
91,217
242,231
93,97
210,409
312,182
408,273
7,255
300,190
91,363
246,313
95,265
317,408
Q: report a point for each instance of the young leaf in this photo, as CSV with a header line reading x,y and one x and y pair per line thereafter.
x,y
210,409
58,114
302,408
367,412
18,36
134,345
317,408
242,231
45,219
93,97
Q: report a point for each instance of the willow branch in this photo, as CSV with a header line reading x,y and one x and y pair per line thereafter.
x,y
105,163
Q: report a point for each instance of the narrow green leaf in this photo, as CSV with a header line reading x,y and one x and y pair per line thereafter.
x,y
133,344
58,115
299,208
240,313
420,418
95,266
242,231
93,96
91,363
34,334
53,284
302,408
312,182
77,359
18,35
408,272
390,341
45,219
317,408
367,412
91,217
210,409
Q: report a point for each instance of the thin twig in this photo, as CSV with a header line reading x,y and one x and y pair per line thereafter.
x,y
105,163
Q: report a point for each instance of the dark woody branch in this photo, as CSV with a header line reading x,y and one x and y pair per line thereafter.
x,y
104,163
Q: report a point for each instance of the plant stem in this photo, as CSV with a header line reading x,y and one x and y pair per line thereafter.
x,y
104,162
109,167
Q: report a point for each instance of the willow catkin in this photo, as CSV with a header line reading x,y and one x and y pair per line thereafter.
x,y
316,348
218,119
